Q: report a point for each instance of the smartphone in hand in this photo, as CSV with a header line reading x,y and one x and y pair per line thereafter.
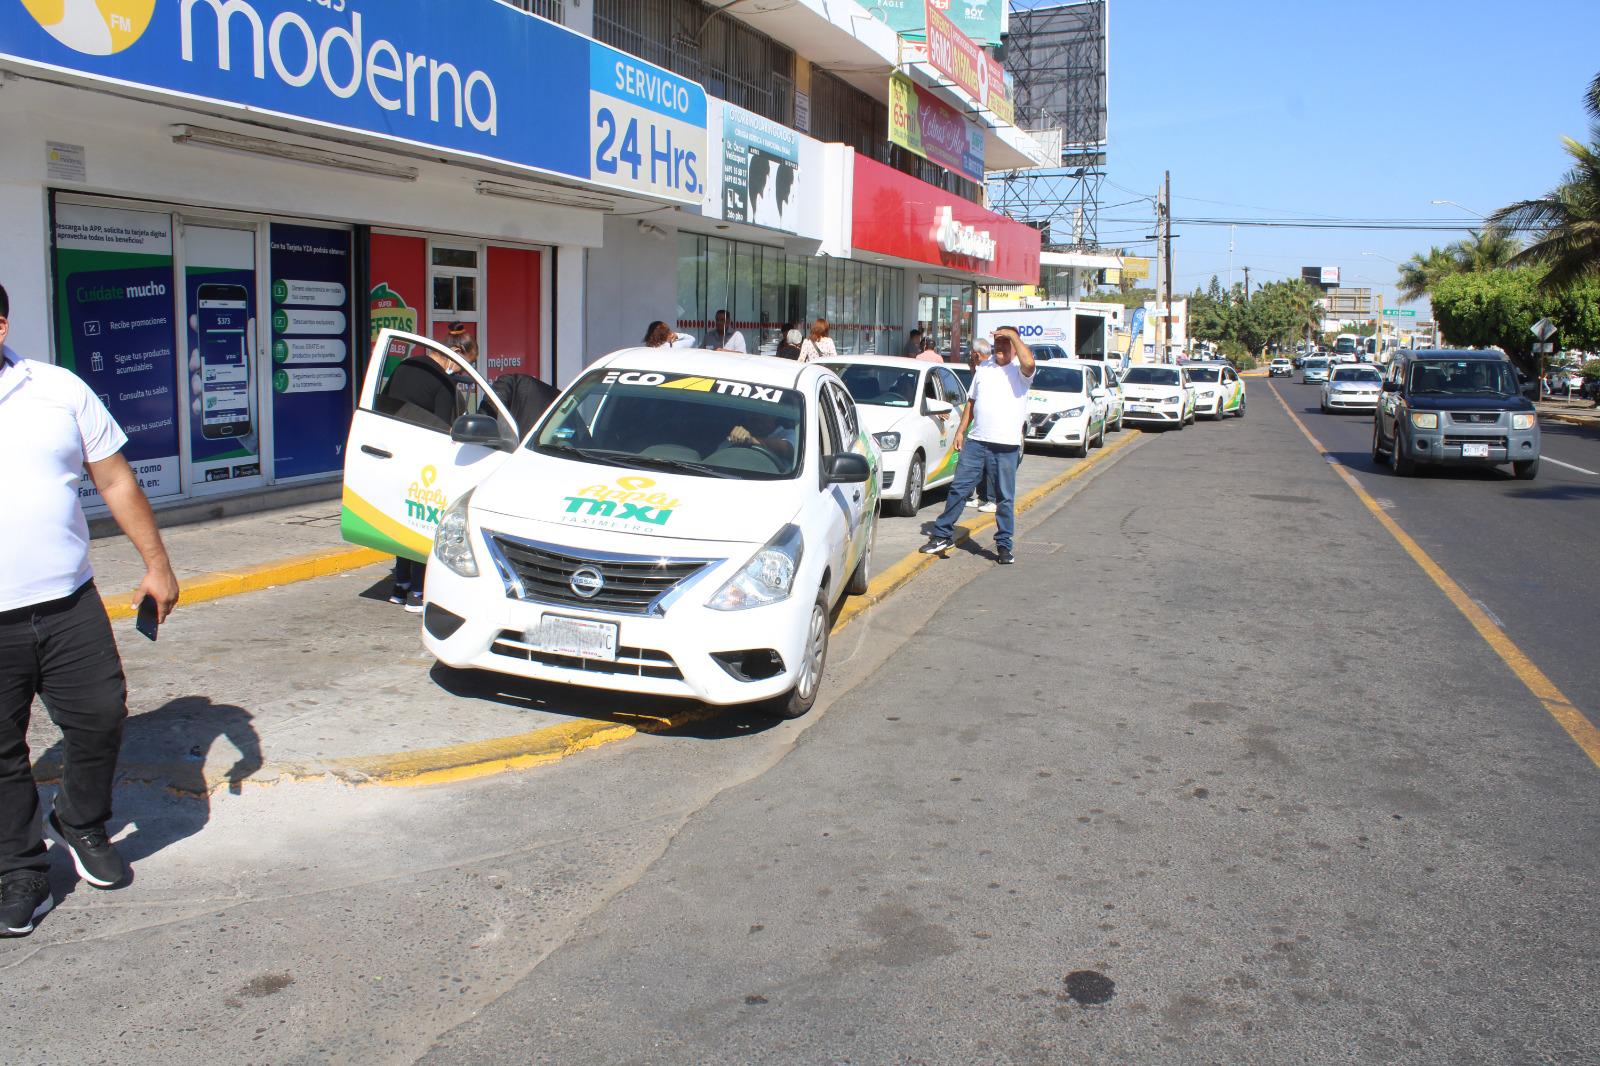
x,y
147,622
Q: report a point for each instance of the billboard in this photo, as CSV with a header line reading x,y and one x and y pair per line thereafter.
x,y
978,19
919,122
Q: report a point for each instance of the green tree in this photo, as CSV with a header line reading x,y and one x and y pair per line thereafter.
x,y
1420,273
1498,309
1564,222
1488,249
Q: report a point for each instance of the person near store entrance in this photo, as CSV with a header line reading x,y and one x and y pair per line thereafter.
x,y
990,439
930,350
819,345
913,344
422,391
55,637
723,337
661,335
789,342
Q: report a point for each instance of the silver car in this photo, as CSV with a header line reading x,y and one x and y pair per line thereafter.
x,y
1352,387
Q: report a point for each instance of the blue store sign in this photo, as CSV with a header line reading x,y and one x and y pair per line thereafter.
x,y
474,77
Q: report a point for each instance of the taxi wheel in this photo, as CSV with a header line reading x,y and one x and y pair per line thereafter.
x,y
1079,451
1240,412
911,502
800,699
1118,428
862,578
1100,441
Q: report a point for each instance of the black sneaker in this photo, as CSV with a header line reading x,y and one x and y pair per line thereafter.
x,y
92,853
1004,557
397,595
414,602
937,545
24,899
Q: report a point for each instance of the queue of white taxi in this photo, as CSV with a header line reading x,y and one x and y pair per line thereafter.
x,y
683,524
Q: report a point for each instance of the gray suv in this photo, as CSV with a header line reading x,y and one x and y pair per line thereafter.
x,y
1457,409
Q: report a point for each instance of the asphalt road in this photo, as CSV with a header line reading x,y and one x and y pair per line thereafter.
x,y
1524,550
1172,789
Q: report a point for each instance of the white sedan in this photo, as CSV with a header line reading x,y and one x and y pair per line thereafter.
x,y
1158,395
1063,409
679,523
1352,387
911,410
1104,377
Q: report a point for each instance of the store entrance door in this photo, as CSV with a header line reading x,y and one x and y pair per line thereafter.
x,y
945,308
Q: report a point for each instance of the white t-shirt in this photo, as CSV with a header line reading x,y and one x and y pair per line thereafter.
x,y
1000,402
51,424
733,342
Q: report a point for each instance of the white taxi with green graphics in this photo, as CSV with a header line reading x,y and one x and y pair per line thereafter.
x,y
911,410
1218,389
1066,409
678,523
1158,394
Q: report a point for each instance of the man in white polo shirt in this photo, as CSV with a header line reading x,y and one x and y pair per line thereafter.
x,y
55,638
990,439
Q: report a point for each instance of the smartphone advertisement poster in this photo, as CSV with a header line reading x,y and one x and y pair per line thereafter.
x,y
760,170
224,423
115,328
311,349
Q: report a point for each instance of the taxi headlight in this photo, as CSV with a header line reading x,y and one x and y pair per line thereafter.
x,y
1522,421
1074,413
1172,399
1425,419
887,442
767,578
452,544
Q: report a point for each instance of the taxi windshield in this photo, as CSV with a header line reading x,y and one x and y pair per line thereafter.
x,y
1057,379
683,423
1462,377
1150,375
1204,373
879,386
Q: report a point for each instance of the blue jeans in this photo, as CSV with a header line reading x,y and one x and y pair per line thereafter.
x,y
997,465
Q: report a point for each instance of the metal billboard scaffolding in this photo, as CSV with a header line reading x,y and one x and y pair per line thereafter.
x,y
1058,57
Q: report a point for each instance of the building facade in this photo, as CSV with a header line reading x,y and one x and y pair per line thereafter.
x,y
212,209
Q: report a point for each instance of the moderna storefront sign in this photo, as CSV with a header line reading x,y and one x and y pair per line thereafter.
x,y
476,78
895,214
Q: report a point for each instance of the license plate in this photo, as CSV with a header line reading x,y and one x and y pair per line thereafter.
x,y
577,638
1140,407
1032,432
1475,451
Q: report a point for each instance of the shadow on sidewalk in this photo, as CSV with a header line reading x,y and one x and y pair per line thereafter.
x,y
167,749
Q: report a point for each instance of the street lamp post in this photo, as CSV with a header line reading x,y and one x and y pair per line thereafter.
x,y
1468,210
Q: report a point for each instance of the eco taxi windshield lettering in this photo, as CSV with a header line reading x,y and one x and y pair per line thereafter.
x,y
693,383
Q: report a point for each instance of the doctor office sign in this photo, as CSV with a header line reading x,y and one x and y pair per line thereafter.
x,y
474,78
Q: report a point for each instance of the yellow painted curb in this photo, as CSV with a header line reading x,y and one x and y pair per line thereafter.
x,y
463,762
1568,420
909,567
218,584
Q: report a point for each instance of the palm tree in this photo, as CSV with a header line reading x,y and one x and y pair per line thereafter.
x,y
1485,250
1565,222
1420,273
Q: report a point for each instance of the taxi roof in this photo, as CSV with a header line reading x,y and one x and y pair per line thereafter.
x,y
755,369
898,362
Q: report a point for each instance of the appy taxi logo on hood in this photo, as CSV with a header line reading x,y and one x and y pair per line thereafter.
x,y
93,27
628,499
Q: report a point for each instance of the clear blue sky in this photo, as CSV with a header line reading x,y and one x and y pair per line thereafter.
x,y
1359,108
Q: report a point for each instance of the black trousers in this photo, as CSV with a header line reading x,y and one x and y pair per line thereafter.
x,y
64,652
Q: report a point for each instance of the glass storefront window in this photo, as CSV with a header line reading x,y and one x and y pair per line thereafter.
x,y
762,288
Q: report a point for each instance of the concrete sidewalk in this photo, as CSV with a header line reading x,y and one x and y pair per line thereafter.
x,y
1570,412
325,680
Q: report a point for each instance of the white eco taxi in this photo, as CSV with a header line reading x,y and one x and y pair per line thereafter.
x,y
678,523
1104,376
1063,408
911,410
1352,387
1158,394
1218,389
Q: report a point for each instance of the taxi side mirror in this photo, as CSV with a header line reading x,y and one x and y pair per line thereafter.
x,y
846,468
938,407
480,429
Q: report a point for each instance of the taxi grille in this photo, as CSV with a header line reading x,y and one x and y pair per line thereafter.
x,y
629,584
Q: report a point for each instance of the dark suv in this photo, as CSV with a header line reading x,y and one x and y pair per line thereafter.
x,y
1457,409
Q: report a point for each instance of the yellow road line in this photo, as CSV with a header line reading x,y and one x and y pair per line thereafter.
x,y
215,586
1578,727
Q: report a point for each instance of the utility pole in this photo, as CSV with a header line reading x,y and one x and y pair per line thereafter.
x,y
1166,217
1246,284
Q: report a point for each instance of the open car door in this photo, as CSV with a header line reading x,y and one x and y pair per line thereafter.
x,y
401,469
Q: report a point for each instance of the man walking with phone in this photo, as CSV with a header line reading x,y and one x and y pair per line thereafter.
x,y
990,439
55,637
